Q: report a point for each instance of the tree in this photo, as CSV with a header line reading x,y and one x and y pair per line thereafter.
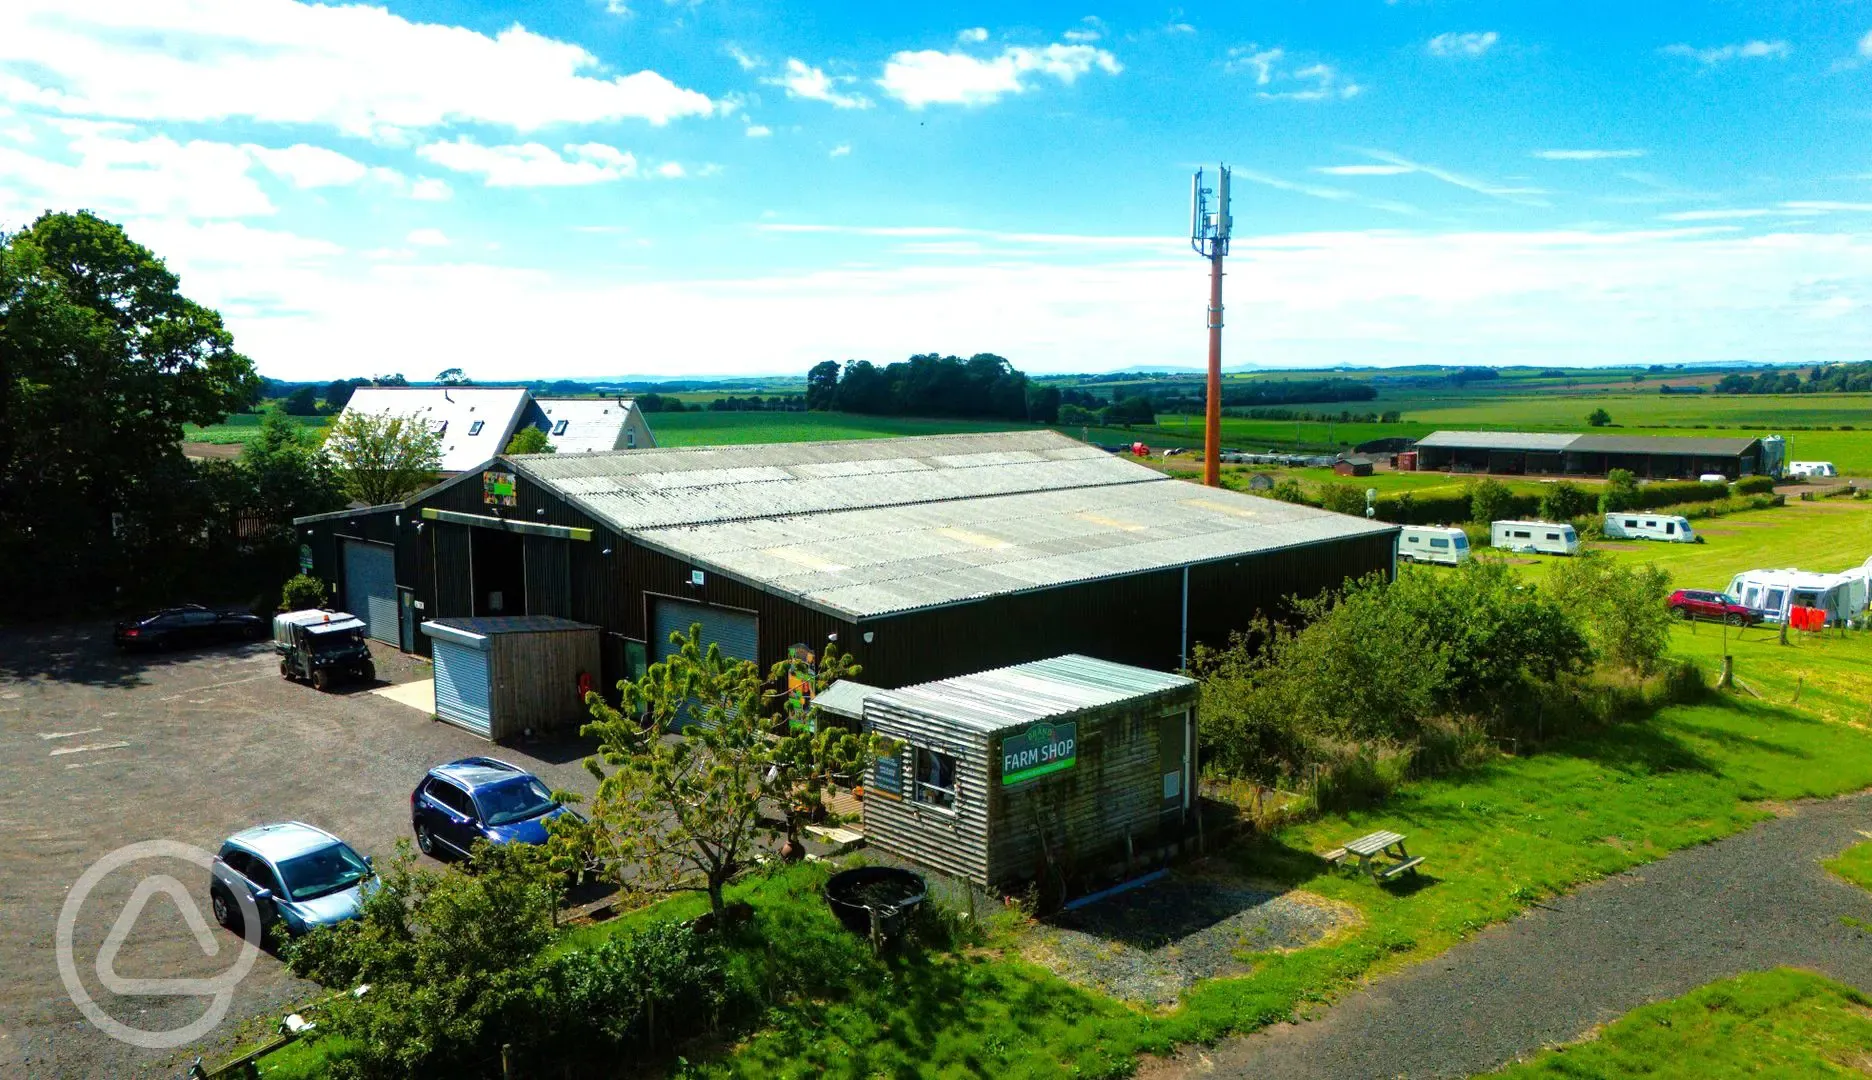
x,y
283,475
302,592
822,385
1621,607
102,362
337,393
452,377
530,440
1132,410
1489,500
1564,501
1043,403
383,457
1621,491
686,813
1342,499
302,402
1599,418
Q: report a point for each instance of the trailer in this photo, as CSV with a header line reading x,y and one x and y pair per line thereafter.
x,y
1445,545
1843,596
1803,470
1545,537
1669,528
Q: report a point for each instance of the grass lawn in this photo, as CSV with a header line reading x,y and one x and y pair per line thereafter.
x,y
1854,865
1783,1023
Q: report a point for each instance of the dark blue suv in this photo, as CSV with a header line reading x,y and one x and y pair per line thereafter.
x,y
480,798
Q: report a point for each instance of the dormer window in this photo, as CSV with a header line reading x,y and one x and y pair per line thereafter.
x,y
475,428
559,428
441,427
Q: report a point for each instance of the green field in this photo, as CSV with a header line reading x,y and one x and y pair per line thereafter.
x,y
718,428
1782,1023
242,428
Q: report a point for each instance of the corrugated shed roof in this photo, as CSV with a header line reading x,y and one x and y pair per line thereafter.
x,y
846,697
646,489
1012,697
593,425
877,561
1652,444
489,625
460,408
1498,440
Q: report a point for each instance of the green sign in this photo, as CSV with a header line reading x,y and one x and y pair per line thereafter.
x,y
305,558
497,488
1041,749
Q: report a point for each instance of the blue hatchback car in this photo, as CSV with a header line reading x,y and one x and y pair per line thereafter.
x,y
292,874
480,798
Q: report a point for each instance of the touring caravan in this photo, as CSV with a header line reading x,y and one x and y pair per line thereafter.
x,y
1817,469
1543,536
1666,527
1842,596
1713,478
1433,544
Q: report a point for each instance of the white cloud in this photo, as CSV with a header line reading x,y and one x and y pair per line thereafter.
x,y
310,166
1180,28
151,177
1586,155
671,170
427,238
972,36
1090,29
1319,192
618,7
746,60
1865,45
1363,170
429,189
758,131
930,77
532,164
1470,44
802,80
1314,82
1748,50
841,150
358,69
1526,196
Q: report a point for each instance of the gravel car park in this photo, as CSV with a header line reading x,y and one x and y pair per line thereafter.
x,y
108,749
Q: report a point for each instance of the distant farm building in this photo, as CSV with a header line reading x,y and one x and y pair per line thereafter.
x,y
923,557
1538,454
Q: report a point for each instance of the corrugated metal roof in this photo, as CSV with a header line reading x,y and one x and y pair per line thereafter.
x,y
489,625
1012,697
461,407
645,489
846,697
1652,444
1497,440
877,561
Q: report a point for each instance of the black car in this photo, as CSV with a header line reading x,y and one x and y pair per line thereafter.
x,y
191,624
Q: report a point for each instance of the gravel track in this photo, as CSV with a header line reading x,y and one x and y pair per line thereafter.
x,y
1756,900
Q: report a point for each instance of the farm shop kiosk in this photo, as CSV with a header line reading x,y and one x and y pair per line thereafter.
x,y
1068,770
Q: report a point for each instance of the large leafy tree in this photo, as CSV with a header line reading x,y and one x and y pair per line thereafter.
x,y
102,362
748,764
384,457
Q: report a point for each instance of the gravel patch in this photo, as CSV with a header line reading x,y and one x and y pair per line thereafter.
x,y
1751,902
1150,944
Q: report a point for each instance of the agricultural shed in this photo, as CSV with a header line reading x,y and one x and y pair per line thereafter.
x,y
1547,454
1048,769
500,677
921,557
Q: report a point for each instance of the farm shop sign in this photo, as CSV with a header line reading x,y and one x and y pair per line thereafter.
x,y
1041,749
497,488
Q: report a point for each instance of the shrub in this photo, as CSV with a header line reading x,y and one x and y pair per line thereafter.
x,y
1289,491
1417,508
1754,485
303,592
1490,500
1598,418
1674,492
1621,491
1564,501
1342,499
631,993
1622,608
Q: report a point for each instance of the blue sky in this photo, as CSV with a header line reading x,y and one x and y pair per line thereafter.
x,y
595,187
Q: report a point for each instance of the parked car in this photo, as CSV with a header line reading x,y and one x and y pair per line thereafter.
x,y
293,875
321,647
480,798
1703,604
188,625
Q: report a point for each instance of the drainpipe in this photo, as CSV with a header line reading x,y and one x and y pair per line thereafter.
x,y
1183,645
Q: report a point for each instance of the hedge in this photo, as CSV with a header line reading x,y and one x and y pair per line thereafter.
x,y
1407,508
1676,493
1754,485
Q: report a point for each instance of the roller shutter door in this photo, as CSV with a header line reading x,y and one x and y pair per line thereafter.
x,y
463,691
734,631
370,587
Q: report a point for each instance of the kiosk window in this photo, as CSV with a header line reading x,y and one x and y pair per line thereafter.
x,y
935,778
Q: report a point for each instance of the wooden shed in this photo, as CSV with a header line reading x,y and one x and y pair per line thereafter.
x,y
1055,767
501,676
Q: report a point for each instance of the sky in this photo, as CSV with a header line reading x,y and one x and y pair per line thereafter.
x,y
570,188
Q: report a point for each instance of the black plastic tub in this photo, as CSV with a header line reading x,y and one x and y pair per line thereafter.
x,y
894,894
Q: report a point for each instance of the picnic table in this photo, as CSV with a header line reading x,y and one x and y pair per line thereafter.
x,y
1371,848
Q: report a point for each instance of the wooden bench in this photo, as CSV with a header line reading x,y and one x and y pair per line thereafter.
x,y
1371,849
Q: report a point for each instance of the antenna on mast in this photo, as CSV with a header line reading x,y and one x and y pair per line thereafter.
x,y
1209,236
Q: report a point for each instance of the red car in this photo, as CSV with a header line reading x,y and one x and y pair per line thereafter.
x,y
1699,604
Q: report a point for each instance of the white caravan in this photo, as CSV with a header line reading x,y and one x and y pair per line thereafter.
x,y
1666,527
1542,536
1712,478
1804,469
1842,596
1433,544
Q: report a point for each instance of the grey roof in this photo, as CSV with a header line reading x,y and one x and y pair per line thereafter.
x,y
631,490
877,561
846,697
459,407
1586,444
490,625
1012,697
592,424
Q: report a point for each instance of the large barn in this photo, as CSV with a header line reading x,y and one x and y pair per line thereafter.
x,y
923,557
1658,458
